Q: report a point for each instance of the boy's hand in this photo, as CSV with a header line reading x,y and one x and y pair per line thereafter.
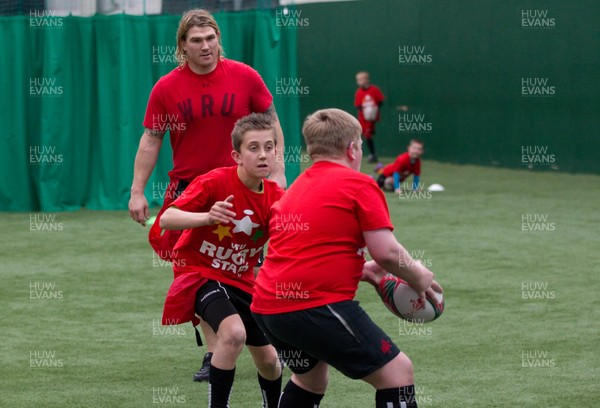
x,y
221,212
436,287
421,278
429,292
373,273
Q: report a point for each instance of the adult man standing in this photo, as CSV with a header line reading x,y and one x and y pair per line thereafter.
x,y
198,103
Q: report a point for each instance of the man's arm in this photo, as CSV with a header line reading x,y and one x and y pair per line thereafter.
x,y
176,219
278,174
145,160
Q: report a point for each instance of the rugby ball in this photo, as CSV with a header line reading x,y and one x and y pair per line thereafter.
x,y
403,301
370,111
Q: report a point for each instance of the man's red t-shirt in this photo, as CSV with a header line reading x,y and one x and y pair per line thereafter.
x,y
404,166
200,112
316,252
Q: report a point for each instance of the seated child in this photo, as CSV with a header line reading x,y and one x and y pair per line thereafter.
x,y
407,163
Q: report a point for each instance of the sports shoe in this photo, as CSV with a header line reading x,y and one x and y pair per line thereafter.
x,y
372,159
202,374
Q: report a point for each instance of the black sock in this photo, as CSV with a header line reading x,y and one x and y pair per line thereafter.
x,y
371,146
219,387
296,397
403,397
270,390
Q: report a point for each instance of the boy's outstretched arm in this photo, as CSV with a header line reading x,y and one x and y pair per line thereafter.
x,y
176,219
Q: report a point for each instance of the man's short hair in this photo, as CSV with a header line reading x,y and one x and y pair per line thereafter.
x,y
195,18
329,132
253,121
416,141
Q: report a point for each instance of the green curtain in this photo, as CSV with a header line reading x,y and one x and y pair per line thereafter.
x,y
74,93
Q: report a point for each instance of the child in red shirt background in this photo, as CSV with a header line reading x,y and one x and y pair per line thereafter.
x,y
368,99
405,164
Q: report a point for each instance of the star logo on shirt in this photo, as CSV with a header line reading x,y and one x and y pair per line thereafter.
x,y
245,225
222,231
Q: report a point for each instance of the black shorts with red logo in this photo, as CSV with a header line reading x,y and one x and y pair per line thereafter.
x,y
339,334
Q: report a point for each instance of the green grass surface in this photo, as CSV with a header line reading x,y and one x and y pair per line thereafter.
x,y
111,289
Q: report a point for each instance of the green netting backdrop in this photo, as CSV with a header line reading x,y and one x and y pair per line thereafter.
x,y
74,93
468,94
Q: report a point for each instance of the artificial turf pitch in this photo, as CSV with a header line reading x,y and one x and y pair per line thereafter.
x,y
81,306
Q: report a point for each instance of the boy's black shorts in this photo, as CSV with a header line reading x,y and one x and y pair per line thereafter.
x,y
340,334
215,301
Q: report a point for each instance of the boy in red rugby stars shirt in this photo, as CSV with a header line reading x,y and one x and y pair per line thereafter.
x,y
303,295
225,214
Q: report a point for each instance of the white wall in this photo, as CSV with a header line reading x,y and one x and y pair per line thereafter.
x,y
290,2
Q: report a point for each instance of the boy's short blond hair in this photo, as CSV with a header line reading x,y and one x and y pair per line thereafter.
x,y
329,132
253,121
